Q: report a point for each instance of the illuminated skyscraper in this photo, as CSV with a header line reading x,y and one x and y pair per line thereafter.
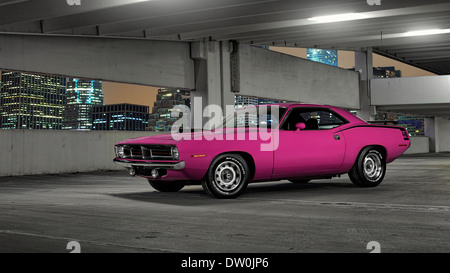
x,y
324,56
386,72
120,117
245,101
82,95
160,119
31,101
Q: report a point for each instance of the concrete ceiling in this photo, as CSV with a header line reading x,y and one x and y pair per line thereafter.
x,y
262,22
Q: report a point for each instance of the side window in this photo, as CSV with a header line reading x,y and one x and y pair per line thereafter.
x,y
294,116
315,119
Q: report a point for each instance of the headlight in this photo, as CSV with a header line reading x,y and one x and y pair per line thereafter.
x,y
175,153
119,151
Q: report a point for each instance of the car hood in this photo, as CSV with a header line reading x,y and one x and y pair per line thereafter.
x,y
159,139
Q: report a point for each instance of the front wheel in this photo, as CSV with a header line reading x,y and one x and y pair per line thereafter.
x,y
370,168
227,177
166,186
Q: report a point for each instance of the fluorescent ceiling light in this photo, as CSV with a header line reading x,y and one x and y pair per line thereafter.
x,y
426,32
339,18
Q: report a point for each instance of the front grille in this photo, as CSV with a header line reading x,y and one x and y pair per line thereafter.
x,y
147,152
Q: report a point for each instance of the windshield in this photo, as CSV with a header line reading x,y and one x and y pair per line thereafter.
x,y
255,117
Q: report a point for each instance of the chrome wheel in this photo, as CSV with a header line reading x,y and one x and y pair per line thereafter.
x,y
228,176
372,167
369,169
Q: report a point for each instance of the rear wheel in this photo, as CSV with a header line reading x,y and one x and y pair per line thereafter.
x,y
166,186
227,177
370,168
300,181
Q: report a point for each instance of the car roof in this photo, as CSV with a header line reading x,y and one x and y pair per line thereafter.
x,y
344,113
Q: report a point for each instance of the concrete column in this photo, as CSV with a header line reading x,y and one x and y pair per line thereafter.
x,y
430,131
438,130
443,134
364,65
212,77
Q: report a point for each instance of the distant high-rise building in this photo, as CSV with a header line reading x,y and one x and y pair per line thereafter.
x,y
262,46
415,125
31,101
324,56
386,72
82,95
120,117
244,101
160,119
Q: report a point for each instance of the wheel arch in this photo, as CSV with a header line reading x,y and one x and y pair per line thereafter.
x,y
378,147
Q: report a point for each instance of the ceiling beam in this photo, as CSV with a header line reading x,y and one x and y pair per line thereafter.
x,y
419,50
27,11
437,59
122,16
375,41
400,59
176,23
277,22
369,26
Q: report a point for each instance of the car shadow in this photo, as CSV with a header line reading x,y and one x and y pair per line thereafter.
x,y
195,196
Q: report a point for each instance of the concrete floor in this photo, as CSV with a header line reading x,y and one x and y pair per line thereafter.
x,y
112,212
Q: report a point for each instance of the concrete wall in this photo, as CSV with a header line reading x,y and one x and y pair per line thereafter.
x,y
431,133
28,152
155,63
419,145
438,130
416,90
442,134
269,74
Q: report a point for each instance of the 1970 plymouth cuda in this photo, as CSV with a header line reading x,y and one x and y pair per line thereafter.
x,y
312,142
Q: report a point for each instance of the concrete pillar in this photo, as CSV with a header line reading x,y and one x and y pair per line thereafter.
x,y
364,65
443,132
430,131
438,130
212,77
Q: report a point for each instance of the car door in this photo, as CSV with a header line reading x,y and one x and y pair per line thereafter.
x,y
318,149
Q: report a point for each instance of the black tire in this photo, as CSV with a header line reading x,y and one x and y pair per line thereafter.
x,y
227,177
166,186
300,181
369,169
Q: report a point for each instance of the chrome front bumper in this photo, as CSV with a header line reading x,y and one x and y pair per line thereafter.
x,y
150,165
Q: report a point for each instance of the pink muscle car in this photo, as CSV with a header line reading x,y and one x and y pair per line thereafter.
x,y
312,142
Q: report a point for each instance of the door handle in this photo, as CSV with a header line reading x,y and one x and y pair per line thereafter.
x,y
337,137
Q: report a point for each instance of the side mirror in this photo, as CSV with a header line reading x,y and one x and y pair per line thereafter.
x,y
300,126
